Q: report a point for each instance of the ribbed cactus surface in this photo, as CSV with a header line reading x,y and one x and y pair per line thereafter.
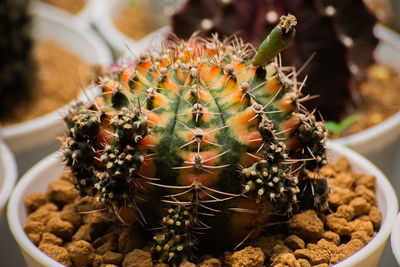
x,y
203,137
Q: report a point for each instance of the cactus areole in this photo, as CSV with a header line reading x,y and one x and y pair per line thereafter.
x,y
203,137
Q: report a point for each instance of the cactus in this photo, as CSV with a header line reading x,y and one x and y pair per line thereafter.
x,y
338,32
202,136
17,68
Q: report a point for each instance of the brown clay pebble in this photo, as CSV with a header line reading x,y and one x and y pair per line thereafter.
x,y
280,249
58,253
82,253
332,237
360,205
69,214
107,242
249,257
227,258
360,225
341,165
112,257
313,256
50,239
185,263
306,225
98,224
137,258
285,259
60,228
83,233
44,213
324,244
294,242
368,181
346,250
338,225
327,171
34,201
362,235
344,180
339,196
267,244
34,231
129,239
61,192
211,263
376,217
345,211
304,263
97,260
367,194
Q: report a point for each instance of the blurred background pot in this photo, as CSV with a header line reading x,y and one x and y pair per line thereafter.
x,y
82,9
8,175
33,139
152,16
50,168
381,143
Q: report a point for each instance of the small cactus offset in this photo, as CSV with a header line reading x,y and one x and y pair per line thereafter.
x,y
206,136
17,67
337,35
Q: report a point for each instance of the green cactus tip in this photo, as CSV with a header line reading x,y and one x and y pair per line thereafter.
x,y
276,41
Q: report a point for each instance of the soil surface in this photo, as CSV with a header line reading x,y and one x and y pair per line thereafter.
x,y
134,20
75,232
58,83
72,6
380,94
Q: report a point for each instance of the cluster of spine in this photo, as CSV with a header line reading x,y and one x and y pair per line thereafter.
x,y
83,124
268,177
172,129
17,67
175,242
336,34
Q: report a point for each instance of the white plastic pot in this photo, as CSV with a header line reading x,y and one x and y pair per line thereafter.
x,y
50,168
381,143
395,239
107,10
87,13
8,175
77,37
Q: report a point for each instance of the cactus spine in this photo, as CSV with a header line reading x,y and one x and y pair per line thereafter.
x,y
202,138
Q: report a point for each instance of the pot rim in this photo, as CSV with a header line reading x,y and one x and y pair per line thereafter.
x,y
83,29
395,239
336,151
9,173
104,23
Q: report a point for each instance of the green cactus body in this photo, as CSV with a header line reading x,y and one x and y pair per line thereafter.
x,y
197,126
